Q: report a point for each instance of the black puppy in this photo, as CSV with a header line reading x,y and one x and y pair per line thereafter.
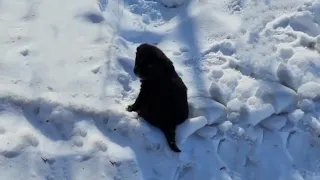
x,y
162,100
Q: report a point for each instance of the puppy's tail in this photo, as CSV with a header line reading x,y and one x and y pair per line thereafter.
x,y
170,136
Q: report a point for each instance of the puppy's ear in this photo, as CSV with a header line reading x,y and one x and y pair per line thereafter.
x,y
141,46
138,48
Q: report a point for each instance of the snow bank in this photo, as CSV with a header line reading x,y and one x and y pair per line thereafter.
x,y
295,115
256,111
188,127
309,90
212,110
207,131
286,77
280,97
274,123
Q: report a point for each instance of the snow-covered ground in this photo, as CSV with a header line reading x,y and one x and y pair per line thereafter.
x,y
252,68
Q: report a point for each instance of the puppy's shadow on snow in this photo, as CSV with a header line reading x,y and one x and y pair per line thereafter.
x,y
187,34
63,129
46,118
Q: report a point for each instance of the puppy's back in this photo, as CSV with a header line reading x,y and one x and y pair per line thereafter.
x,y
180,100
173,100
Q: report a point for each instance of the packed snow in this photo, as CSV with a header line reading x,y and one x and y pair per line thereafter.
x,y
252,68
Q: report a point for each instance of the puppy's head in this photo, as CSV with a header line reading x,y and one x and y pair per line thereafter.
x,y
151,63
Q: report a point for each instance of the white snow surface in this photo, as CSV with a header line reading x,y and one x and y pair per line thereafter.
x,y
252,68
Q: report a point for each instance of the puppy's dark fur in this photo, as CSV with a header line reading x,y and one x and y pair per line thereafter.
x,y
162,100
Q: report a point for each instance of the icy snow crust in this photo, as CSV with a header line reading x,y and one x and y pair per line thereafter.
x,y
252,69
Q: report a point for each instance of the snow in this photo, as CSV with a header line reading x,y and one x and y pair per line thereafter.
x,y
212,110
274,123
207,131
251,68
281,98
309,90
188,127
256,111
306,105
225,126
284,74
295,115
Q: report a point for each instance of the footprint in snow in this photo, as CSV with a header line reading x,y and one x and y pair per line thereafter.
x,y
32,9
2,130
184,172
24,52
236,5
91,17
102,5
